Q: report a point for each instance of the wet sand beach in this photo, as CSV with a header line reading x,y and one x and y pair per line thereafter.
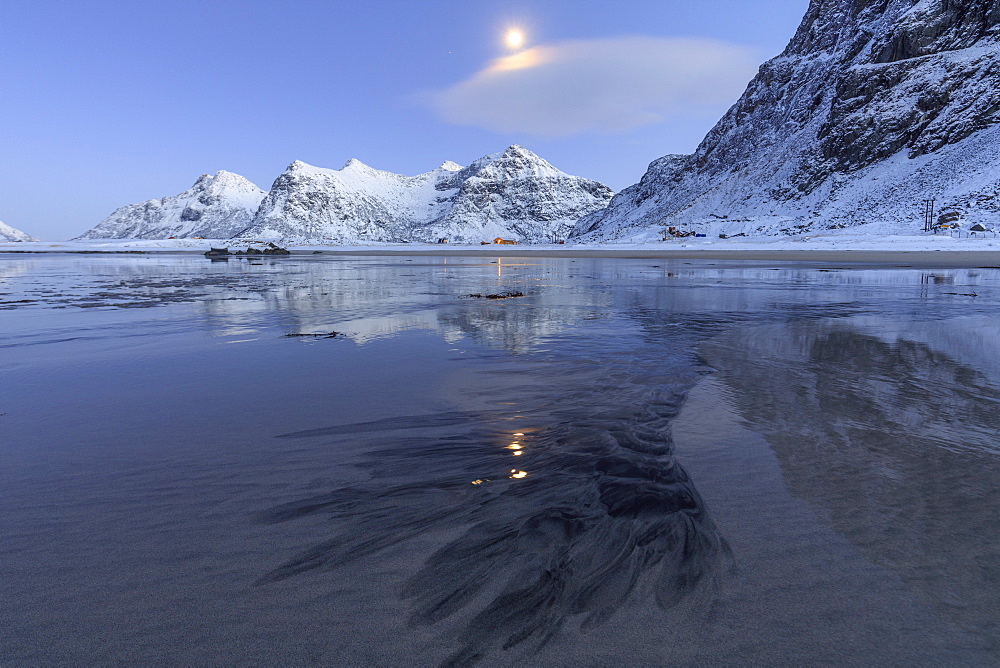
x,y
636,461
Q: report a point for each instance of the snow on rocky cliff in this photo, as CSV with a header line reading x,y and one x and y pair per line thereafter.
x,y
8,233
874,106
513,194
217,206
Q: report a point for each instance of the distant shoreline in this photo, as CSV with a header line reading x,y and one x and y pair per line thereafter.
x,y
914,258
901,258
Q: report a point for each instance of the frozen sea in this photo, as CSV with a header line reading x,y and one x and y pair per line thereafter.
x,y
635,462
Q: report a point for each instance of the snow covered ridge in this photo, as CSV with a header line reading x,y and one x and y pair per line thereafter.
x,y
510,194
8,233
874,106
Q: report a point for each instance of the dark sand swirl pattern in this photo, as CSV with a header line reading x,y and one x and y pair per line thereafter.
x,y
604,515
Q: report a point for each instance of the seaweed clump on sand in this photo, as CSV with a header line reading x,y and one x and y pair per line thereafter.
x,y
319,335
271,249
498,295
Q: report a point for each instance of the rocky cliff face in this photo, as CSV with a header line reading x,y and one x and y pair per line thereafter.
x,y
217,206
514,194
8,233
874,106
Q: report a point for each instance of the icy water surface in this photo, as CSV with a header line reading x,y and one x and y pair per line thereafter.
x,y
635,462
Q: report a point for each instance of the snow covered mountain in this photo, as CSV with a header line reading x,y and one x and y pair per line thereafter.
x,y
355,202
8,233
874,106
513,193
217,206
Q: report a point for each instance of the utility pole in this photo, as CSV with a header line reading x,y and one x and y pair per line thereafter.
x,y
928,215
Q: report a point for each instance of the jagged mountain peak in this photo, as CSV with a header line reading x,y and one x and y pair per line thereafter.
x,y
516,153
518,150
352,170
300,166
354,176
512,163
223,180
355,164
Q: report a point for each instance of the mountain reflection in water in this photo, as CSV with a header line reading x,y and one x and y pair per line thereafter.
x,y
891,433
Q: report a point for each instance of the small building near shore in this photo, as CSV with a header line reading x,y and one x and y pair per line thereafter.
x,y
509,242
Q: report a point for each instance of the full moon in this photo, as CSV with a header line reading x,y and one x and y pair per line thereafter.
x,y
514,39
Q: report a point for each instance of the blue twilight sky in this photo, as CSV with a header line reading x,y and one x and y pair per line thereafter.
x,y
105,103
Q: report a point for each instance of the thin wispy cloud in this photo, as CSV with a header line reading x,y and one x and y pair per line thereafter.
x,y
600,85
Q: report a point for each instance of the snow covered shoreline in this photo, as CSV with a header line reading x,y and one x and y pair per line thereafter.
x,y
849,241
923,249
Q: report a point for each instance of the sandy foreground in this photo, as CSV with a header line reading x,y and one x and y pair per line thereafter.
x,y
925,250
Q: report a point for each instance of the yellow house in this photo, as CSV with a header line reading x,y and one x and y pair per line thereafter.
x,y
510,242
